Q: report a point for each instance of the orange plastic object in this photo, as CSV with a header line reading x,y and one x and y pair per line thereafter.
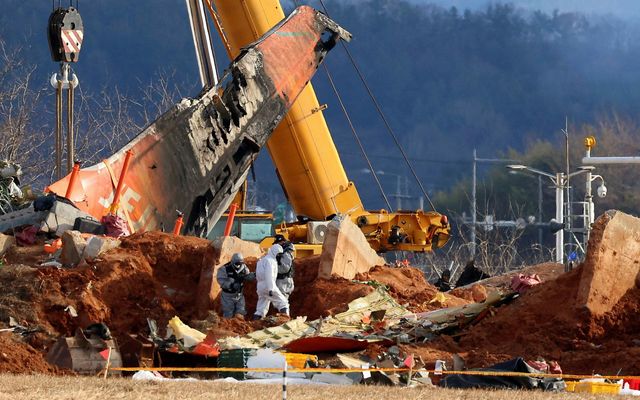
x,y
54,246
178,226
72,179
123,174
230,218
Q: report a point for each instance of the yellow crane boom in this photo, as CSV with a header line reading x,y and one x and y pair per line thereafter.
x,y
306,159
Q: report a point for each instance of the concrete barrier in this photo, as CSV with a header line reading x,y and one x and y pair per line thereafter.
x,y
612,265
346,252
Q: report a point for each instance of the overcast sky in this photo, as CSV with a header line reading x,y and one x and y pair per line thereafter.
x,y
620,8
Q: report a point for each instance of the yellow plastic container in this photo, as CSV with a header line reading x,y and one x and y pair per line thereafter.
x,y
597,387
571,386
298,360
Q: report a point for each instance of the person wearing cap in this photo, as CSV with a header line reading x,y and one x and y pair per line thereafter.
x,y
284,279
231,278
268,292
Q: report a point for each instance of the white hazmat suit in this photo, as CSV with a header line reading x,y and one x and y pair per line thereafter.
x,y
268,292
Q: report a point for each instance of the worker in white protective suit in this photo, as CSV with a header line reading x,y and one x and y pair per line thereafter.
x,y
284,280
268,292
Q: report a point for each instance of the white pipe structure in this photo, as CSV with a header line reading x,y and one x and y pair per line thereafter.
x,y
610,160
559,184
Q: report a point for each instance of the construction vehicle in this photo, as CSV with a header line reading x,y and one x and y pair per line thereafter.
x,y
307,161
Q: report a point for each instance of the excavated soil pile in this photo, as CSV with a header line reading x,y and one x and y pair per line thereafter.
x,y
152,275
549,321
19,357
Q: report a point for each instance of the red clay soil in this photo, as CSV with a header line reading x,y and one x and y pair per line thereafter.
x,y
545,322
155,275
18,357
152,275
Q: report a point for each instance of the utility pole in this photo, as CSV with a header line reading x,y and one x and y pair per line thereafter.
x,y
540,209
559,216
398,193
567,176
474,207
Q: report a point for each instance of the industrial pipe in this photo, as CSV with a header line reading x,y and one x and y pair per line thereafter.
x,y
123,173
72,179
232,215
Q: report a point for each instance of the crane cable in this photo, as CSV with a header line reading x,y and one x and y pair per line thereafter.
x,y
353,130
384,119
355,135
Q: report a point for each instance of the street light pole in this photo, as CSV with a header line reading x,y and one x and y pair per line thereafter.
x,y
540,209
559,216
566,183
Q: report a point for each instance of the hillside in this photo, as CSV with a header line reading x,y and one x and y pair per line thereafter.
x,y
448,79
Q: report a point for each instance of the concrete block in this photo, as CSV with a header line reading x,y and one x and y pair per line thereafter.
x,y
25,216
97,245
73,246
612,265
6,242
346,252
61,218
225,247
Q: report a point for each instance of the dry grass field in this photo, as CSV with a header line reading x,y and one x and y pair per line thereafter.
x,y
58,388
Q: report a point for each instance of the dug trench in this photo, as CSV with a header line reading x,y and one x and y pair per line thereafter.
x,y
155,275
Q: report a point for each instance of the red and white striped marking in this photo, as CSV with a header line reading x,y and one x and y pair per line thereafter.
x,y
72,40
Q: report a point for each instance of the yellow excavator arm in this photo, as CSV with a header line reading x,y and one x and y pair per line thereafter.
x,y
306,159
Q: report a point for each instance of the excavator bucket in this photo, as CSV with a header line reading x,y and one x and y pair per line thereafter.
x,y
196,156
85,354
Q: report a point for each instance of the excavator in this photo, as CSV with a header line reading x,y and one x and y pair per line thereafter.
x,y
197,156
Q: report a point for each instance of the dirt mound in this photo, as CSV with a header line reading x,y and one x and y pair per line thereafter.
x,y
152,275
545,322
18,357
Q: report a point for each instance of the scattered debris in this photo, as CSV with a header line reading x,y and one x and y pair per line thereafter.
x,y
522,283
87,352
457,381
384,319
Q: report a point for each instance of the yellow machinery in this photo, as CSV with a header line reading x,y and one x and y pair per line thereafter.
x,y
307,161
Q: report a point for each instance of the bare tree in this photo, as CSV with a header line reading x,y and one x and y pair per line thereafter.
x,y
21,140
106,121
